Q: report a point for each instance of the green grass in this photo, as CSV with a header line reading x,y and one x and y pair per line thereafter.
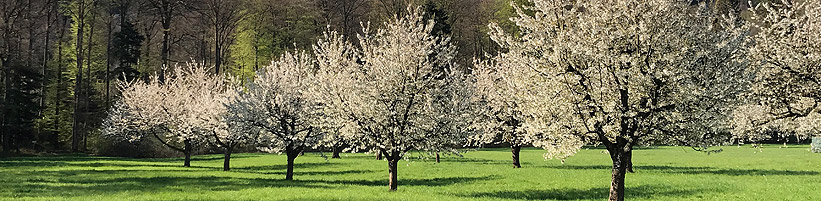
x,y
665,173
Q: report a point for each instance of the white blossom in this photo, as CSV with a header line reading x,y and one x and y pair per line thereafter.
x,y
399,92
183,112
278,104
787,55
621,73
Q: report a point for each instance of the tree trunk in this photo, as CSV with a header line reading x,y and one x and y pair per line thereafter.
x,y
336,150
43,89
108,64
187,162
393,182
437,157
226,165
218,54
56,138
5,131
78,81
166,27
87,91
629,158
4,62
515,150
43,74
618,176
379,156
292,154
187,152
147,45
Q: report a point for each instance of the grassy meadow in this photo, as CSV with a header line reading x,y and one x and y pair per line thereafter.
x,y
662,173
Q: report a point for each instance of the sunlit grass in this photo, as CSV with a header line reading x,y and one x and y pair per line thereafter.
x,y
664,173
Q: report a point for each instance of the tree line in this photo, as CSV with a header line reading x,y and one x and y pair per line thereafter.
x,y
62,59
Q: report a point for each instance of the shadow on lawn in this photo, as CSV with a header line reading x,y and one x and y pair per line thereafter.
x,y
40,163
477,160
297,172
90,186
695,170
643,191
92,161
441,181
67,183
445,159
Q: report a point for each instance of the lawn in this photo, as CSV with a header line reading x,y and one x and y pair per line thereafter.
x,y
663,173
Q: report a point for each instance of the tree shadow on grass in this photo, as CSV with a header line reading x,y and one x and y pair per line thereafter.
x,y
88,186
70,183
93,161
283,166
643,191
476,160
441,181
297,172
60,178
358,156
696,170
444,159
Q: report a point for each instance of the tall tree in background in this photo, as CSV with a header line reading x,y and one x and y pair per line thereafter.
x,y
126,45
47,54
254,40
79,11
10,18
24,51
58,91
345,16
167,10
224,17
387,10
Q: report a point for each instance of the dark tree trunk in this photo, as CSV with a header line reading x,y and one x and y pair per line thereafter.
x,y
187,151
218,54
4,62
57,99
187,162
108,64
46,58
393,162
6,132
87,91
379,156
336,150
166,27
291,154
437,157
78,81
629,158
147,46
515,150
226,165
618,177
